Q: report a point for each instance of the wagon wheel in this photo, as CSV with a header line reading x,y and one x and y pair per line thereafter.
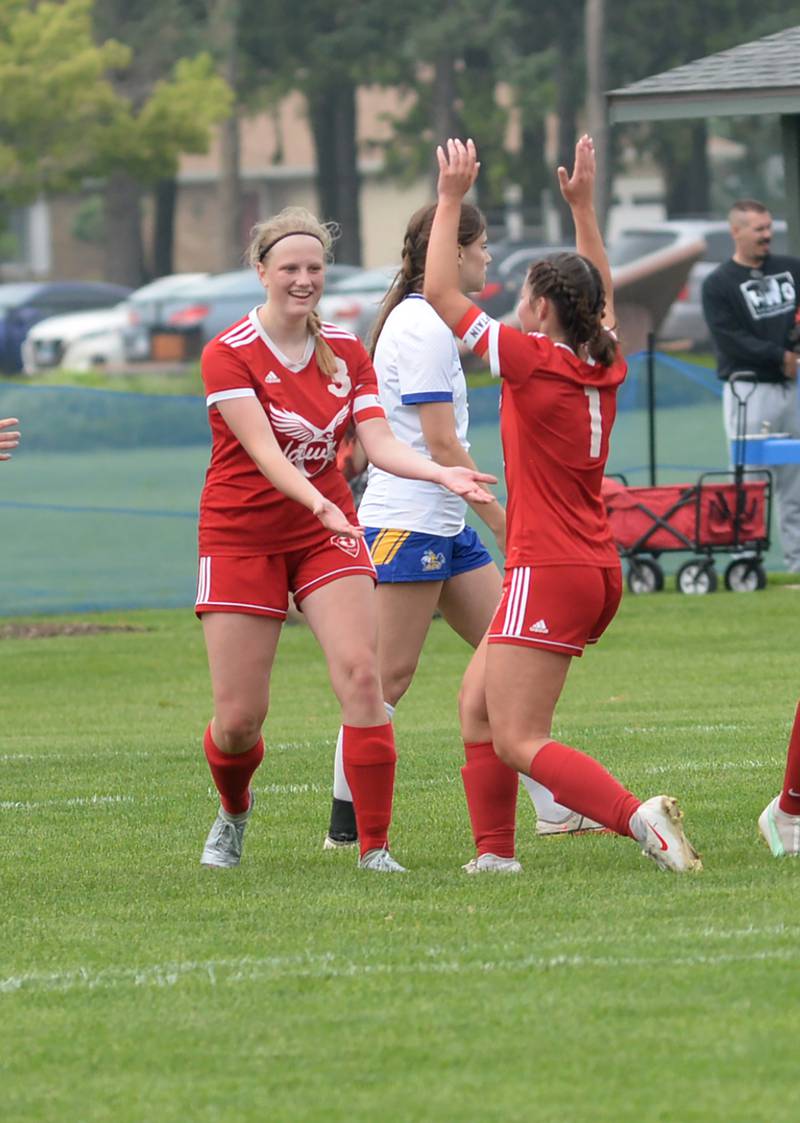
x,y
645,576
696,577
745,575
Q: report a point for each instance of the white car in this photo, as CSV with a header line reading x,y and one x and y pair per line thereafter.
x,y
353,302
81,341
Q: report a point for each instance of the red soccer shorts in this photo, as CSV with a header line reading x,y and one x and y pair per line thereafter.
x,y
558,607
260,585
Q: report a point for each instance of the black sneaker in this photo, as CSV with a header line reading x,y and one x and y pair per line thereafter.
x,y
343,830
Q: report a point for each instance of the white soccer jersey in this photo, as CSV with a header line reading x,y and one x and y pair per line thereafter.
x,y
416,361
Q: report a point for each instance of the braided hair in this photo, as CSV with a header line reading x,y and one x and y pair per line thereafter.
x,y
575,287
297,220
411,274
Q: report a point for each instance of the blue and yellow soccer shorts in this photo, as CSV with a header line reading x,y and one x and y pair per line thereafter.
x,y
406,555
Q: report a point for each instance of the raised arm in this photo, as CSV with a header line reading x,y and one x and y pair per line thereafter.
x,y
578,191
458,169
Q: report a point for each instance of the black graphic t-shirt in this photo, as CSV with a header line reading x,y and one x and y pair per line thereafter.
x,y
750,314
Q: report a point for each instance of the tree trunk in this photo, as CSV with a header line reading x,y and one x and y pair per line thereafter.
x,y
165,193
444,113
223,26
596,112
333,116
124,257
685,164
229,195
567,102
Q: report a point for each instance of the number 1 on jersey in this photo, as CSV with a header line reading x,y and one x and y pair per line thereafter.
x,y
595,420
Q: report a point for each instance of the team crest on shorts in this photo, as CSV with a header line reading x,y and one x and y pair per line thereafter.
x,y
431,561
349,546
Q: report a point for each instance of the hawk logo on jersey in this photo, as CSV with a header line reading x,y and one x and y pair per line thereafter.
x,y
432,561
350,546
308,447
340,383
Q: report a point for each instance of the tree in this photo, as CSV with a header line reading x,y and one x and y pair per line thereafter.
x,y
168,105
54,95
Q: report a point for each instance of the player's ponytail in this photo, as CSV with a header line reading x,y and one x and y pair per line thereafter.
x,y
326,359
411,274
575,287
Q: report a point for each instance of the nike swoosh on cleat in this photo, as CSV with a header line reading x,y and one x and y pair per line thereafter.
x,y
660,838
791,792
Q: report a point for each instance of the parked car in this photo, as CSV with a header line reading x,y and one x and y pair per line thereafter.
x,y
205,308
506,274
101,337
24,304
353,302
684,320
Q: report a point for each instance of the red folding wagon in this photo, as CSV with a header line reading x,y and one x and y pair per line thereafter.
x,y
724,512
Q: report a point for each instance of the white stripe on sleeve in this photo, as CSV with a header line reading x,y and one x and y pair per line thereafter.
x,y
229,395
494,348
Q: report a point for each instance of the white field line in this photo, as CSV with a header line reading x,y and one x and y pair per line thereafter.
x,y
72,801
248,969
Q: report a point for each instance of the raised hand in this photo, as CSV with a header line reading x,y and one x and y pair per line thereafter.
x,y
578,188
458,168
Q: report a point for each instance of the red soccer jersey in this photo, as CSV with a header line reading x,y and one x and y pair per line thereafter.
x,y
240,511
556,414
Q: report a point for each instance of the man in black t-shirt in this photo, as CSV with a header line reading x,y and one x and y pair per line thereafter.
x,y
750,304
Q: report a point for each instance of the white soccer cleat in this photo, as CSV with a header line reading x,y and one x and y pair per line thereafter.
x,y
342,843
658,827
780,830
575,823
380,860
223,848
492,863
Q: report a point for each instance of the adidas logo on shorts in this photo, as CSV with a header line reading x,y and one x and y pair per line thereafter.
x,y
540,628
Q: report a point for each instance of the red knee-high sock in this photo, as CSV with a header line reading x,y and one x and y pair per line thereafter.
x,y
580,783
369,762
790,796
232,773
491,790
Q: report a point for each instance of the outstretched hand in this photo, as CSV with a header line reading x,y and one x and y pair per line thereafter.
x,y
8,440
466,483
458,168
335,520
578,188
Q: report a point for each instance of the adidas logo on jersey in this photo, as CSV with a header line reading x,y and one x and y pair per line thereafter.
x,y
540,628
272,377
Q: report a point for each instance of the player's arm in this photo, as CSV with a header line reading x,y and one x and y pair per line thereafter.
x,y
386,452
458,169
247,421
578,192
8,440
438,423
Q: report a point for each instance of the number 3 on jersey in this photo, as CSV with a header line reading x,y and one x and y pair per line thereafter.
x,y
595,420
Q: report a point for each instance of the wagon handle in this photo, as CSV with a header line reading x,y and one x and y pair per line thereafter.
x,y
738,381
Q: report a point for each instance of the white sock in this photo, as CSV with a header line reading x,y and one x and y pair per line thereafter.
x,y
341,788
544,803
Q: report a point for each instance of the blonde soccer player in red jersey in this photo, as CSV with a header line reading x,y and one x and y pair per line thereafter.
x,y
276,516
562,581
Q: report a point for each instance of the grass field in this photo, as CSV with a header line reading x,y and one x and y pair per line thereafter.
x,y
135,986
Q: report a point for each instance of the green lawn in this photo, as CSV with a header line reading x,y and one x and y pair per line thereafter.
x,y
135,986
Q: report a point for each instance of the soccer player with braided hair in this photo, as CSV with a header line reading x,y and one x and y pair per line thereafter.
x,y
276,516
562,583
425,556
